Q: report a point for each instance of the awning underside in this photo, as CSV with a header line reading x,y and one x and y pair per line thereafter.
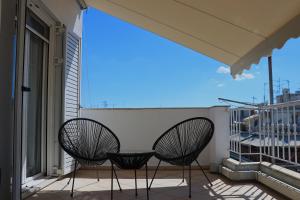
x,y
237,33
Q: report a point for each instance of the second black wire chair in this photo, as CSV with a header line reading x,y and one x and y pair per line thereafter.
x,y
181,144
88,142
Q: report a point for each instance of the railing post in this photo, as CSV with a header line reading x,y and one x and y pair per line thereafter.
x,y
277,132
263,131
259,132
249,129
288,132
295,134
235,131
282,132
277,125
272,135
268,129
231,130
239,132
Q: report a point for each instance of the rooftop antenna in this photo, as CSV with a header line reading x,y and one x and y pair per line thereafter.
x,y
253,100
288,83
279,86
105,104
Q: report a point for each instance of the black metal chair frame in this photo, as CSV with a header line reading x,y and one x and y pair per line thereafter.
x,y
184,159
79,158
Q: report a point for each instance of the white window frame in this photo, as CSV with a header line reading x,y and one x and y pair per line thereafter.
x,y
44,111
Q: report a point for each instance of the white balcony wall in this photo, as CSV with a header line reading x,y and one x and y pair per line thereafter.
x,y
219,146
137,129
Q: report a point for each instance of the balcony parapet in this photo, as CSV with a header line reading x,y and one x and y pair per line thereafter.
x,y
284,181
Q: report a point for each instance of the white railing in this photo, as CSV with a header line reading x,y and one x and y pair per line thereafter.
x,y
267,133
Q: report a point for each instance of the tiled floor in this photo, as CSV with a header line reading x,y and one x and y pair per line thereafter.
x,y
167,186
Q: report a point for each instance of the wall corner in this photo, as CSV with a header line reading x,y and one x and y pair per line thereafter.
x,y
219,148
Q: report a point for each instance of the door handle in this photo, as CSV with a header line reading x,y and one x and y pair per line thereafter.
x,y
26,89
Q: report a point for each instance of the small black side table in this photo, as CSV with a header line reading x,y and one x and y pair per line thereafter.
x,y
130,160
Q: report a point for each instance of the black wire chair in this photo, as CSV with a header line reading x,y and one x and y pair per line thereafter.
x,y
88,142
181,144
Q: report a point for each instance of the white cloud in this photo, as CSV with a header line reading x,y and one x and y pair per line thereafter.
x,y
239,77
220,85
223,70
244,76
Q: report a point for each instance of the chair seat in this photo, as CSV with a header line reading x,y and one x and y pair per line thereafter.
x,y
91,163
180,161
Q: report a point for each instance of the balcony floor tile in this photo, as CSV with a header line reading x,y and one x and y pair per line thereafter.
x,y
167,186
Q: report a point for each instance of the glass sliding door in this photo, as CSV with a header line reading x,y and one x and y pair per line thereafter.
x,y
34,98
34,106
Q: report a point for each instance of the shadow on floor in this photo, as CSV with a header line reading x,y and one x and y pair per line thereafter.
x,y
167,186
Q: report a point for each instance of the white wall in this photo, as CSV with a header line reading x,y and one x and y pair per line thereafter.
x,y
137,129
219,146
68,12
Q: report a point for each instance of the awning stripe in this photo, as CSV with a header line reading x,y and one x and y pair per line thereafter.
x,y
237,33
223,20
177,29
265,48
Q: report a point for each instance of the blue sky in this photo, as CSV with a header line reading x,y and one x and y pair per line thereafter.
x,y
126,66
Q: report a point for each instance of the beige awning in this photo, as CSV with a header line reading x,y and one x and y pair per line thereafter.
x,y
235,32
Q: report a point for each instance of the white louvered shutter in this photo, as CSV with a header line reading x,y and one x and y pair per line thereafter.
x,y
72,87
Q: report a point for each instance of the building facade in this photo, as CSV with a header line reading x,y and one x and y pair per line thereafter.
x,y
287,96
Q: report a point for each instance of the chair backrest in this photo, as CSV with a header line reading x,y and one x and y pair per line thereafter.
x,y
185,138
87,140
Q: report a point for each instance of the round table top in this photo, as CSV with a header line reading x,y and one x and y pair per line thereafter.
x,y
134,152
130,159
